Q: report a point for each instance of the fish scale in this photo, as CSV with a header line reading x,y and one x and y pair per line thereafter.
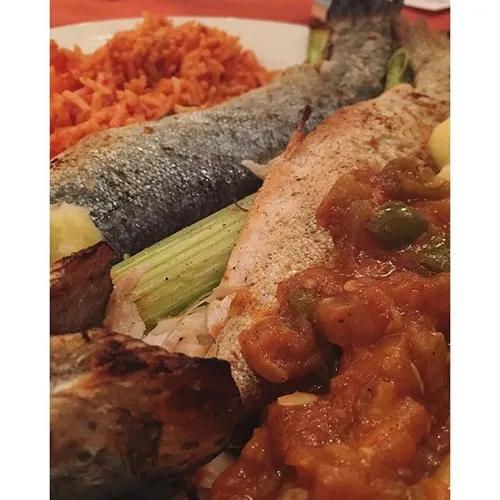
x,y
146,181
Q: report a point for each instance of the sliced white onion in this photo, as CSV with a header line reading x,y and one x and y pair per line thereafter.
x,y
122,315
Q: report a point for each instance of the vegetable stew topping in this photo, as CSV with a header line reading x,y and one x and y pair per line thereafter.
x,y
383,302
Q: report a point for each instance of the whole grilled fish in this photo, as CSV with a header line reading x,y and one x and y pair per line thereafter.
x,y
281,237
129,418
144,182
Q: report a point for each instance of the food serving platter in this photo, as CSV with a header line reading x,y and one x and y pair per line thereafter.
x,y
255,337
277,45
432,5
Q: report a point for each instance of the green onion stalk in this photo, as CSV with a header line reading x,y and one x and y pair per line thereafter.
x,y
185,266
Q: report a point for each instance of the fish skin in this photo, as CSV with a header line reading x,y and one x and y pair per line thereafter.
x,y
141,186
281,238
128,417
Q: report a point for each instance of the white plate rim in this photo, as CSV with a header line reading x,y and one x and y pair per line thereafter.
x,y
428,5
289,49
177,18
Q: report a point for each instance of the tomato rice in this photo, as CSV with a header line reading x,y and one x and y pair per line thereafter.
x,y
145,74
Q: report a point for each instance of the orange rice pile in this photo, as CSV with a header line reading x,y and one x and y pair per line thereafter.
x,y
144,74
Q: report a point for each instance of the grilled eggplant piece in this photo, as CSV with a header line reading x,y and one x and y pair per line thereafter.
x,y
128,417
80,286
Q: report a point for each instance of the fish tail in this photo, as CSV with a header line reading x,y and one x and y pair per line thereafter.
x,y
429,53
360,18
421,43
347,17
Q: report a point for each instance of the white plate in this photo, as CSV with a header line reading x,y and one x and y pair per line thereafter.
x,y
276,45
433,5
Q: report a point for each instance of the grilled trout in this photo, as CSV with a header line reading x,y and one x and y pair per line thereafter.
x,y
127,417
144,182
281,237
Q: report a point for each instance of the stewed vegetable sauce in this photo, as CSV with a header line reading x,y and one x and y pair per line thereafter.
x,y
383,301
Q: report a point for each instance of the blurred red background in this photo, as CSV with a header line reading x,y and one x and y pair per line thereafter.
x,y
295,11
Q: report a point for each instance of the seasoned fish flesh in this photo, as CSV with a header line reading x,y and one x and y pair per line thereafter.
x,y
281,237
144,182
126,417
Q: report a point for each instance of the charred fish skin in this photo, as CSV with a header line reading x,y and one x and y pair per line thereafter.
x,y
144,182
126,416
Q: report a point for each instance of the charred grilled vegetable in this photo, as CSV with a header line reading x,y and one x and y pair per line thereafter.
x,y
80,286
129,418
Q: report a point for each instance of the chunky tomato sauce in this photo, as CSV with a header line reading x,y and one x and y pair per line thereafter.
x,y
383,301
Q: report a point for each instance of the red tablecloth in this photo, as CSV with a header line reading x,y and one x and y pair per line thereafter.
x,y
295,11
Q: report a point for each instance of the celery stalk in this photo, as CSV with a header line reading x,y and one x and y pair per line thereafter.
x,y
185,266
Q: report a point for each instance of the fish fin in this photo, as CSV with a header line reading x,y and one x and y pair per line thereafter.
x,y
352,9
306,113
419,41
299,134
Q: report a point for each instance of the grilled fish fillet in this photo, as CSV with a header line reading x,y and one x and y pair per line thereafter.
x,y
127,417
144,182
280,237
